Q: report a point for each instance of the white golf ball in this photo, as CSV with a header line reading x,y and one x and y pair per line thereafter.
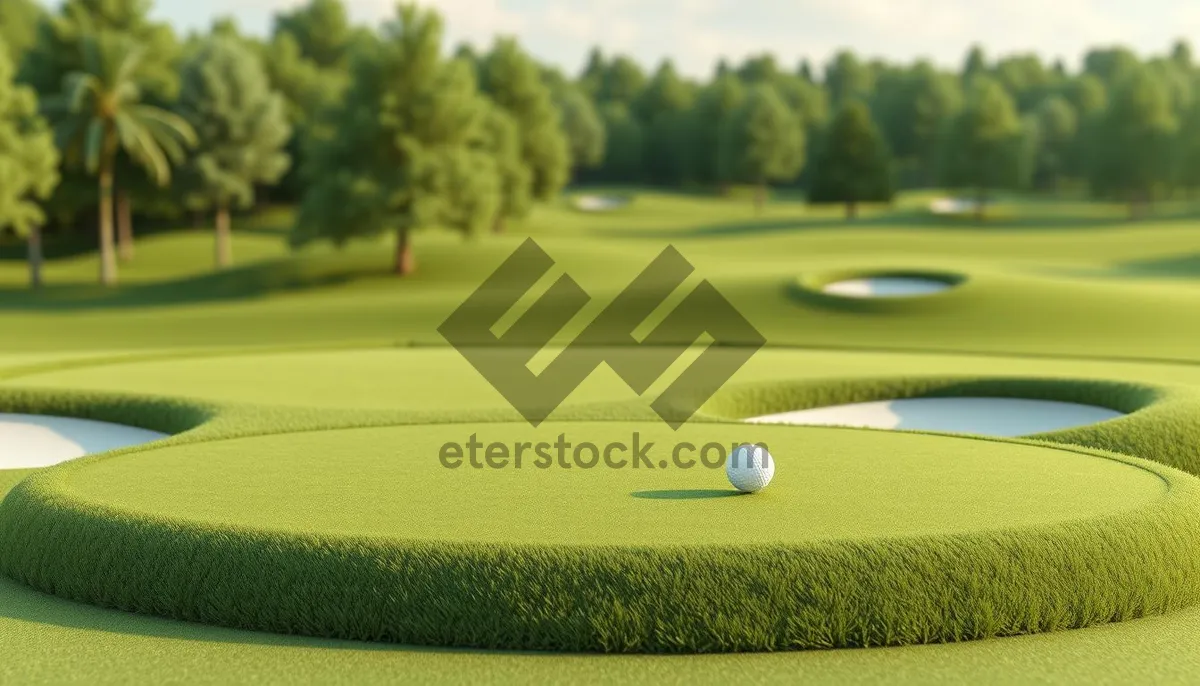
x,y
750,468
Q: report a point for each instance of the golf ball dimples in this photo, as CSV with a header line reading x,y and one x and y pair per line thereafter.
x,y
750,468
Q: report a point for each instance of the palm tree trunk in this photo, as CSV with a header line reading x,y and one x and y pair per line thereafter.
x,y
124,226
35,257
980,204
405,263
224,243
108,261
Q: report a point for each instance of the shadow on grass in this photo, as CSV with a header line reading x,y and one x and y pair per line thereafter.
x,y
901,219
239,283
686,494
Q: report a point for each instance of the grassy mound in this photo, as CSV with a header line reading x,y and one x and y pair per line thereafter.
x,y
374,539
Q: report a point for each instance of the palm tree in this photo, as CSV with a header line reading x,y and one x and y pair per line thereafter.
x,y
100,113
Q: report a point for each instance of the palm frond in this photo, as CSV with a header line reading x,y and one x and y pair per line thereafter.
x,y
180,127
94,145
142,147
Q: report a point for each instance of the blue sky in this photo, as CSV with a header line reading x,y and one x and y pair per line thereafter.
x,y
695,33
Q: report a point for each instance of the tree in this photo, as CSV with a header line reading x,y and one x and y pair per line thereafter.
x,y
974,65
58,50
759,69
502,140
100,113
913,109
583,127
855,164
1133,144
321,29
28,164
1057,126
982,146
1188,151
661,107
19,20
715,104
847,78
591,80
623,80
1110,64
623,145
307,90
407,146
1181,54
513,81
241,126
762,142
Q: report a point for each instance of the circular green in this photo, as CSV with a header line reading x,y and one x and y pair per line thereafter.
x,y
865,538
830,484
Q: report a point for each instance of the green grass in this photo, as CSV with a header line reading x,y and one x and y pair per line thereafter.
x,y
1063,300
548,559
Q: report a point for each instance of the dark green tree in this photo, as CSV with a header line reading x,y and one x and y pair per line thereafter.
x,y
28,164
983,143
974,65
322,30
591,80
1057,129
762,141
583,127
1133,142
623,145
1110,64
847,78
99,113
241,127
514,82
854,164
759,69
623,80
913,108
714,105
662,108
407,147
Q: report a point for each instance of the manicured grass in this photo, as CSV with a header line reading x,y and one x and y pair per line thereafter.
x,y
834,555
1069,292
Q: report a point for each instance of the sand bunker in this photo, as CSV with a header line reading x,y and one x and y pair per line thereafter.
x,y
984,416
885,287
599,203
953,206
28,440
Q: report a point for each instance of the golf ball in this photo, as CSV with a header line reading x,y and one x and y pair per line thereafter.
x,y
750,468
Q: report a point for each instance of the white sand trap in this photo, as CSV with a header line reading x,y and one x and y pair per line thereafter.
x,y
984,416
953,206
885,287
599,203
30,440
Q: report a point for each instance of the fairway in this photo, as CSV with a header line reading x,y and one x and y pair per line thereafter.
x,y
308,400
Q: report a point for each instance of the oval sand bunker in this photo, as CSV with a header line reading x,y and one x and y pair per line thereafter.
x,y
30,440
984,416
885,287
599,203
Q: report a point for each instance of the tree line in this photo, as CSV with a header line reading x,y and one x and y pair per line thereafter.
x,y
107,116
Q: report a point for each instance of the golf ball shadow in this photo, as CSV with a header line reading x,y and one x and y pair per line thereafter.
x,y
687,494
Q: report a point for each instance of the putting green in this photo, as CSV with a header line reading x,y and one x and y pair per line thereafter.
x,y
864,538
